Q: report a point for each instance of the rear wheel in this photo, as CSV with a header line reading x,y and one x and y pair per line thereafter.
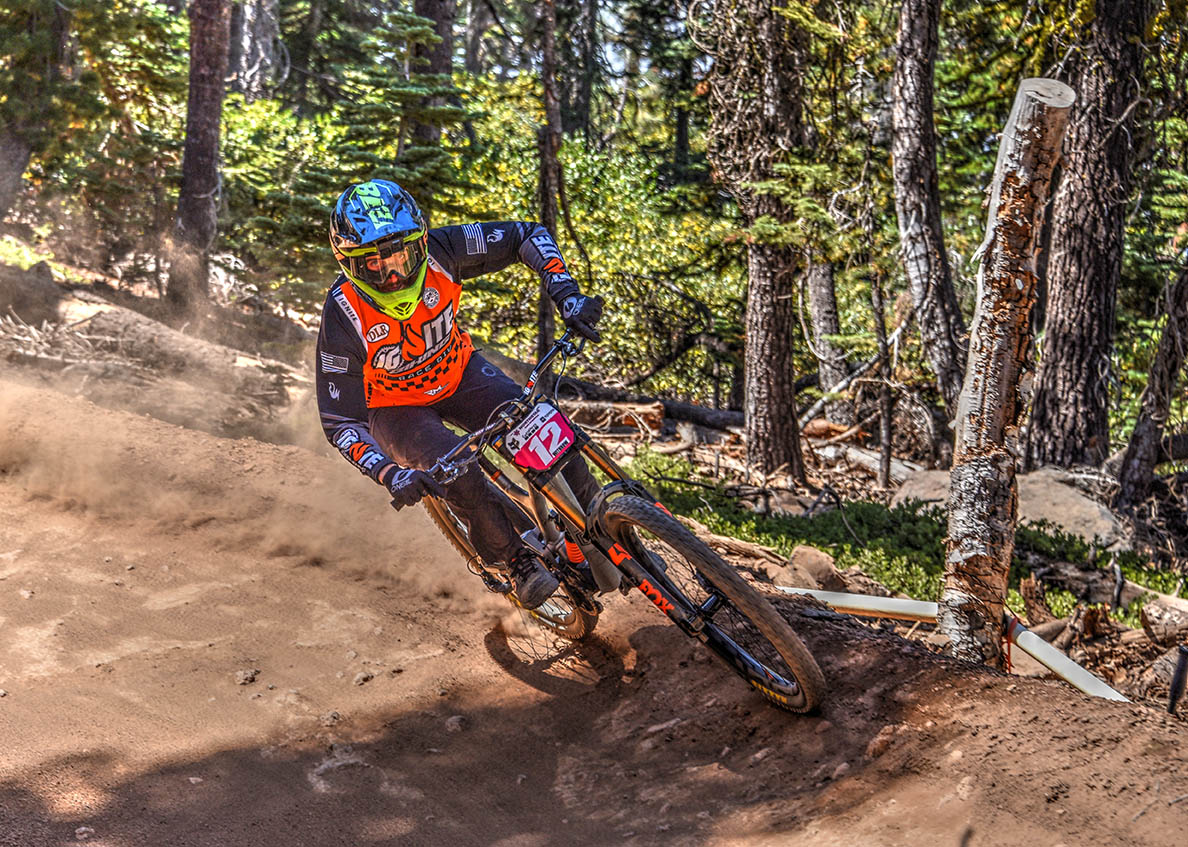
x,y
741,626
564,614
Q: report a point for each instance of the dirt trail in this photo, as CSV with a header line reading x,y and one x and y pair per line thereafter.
x,y
144,566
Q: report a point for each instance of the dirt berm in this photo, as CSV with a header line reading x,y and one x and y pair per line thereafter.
x,y
227,643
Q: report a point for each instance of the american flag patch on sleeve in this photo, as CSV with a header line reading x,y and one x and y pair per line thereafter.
x,y
475,243
334,364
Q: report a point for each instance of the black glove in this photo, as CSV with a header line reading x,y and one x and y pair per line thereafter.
x,y
407,486
581,313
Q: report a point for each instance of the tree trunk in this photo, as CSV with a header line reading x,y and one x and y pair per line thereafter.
x,y
917,199
756,88
578,115
773,436
15,152
1070,421
886,400
983,501
196,224
255,33
831,359
549,146
1138,467
478,21
440,57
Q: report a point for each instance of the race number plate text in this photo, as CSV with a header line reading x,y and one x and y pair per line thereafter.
x,y
540,439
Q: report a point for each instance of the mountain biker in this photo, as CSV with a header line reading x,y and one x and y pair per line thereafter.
x,y
393,366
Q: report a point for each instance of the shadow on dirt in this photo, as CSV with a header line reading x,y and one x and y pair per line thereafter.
x,y
665,751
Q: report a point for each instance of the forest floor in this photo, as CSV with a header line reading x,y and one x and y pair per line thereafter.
x,y
225,642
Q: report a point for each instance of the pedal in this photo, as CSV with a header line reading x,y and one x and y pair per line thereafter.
x,y
494,584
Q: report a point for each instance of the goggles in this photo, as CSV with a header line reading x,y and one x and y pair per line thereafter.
x,y
386,266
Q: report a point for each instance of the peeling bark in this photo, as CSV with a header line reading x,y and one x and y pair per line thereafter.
x,y
255,35
983,503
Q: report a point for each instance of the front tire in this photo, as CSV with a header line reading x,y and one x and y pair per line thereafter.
x,y
741,626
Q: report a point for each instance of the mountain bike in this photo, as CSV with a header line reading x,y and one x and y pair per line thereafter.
x,y
624,540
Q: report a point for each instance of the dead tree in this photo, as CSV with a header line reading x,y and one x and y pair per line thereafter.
x,y
983,504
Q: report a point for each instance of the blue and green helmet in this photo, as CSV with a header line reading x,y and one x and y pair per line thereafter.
x,y
379,238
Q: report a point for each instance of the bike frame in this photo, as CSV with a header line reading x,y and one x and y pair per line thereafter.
x,y
549,490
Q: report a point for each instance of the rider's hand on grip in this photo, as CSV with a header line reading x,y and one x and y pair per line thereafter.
x,y
581,313
407,486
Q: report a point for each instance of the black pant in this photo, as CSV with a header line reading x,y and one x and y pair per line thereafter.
x,y
416,437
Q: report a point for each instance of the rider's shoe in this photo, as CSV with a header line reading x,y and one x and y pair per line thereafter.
x,y
532,581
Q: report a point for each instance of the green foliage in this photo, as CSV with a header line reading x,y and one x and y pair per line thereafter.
x,y
664,269
901,547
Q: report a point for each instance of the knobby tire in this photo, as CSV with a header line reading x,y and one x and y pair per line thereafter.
x,y
746,624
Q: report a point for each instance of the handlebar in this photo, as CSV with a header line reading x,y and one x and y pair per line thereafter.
x,y
445,470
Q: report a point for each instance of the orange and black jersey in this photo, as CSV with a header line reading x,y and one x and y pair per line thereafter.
x,y
368,359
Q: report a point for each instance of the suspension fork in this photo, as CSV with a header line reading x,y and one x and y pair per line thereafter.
x,y
558,493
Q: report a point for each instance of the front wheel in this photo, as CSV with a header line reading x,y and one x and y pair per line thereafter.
x,y
741,626
565,614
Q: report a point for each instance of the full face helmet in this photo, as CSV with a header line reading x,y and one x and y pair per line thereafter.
x,y
379,238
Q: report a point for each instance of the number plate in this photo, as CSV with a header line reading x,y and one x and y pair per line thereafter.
x,y
538,441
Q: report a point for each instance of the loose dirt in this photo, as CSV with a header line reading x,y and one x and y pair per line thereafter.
x,y
229,643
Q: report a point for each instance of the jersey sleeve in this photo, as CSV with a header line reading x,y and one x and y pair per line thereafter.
x,y
471,250
342,403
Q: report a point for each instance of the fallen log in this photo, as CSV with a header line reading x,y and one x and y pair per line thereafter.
x,y
868,460
571,388
1093,585
1164,624
734,546
648,418
1156,679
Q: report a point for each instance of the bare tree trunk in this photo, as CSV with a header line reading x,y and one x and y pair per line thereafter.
x,y
886,400
1070,420
549,146
196,224
478,21
917,199
773,436
440,57
831,359
756,88
1138,467
15,152
252,59
983,502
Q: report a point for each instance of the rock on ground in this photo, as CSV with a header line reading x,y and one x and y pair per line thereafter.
x,y
1044,495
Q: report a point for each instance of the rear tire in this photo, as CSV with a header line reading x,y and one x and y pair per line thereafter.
x,y
744,629
563,614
